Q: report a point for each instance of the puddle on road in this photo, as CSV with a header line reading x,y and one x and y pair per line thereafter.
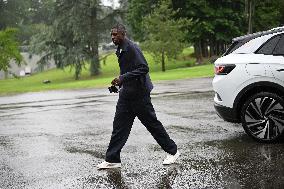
x,y
210,158
186,95
200,129
4,141
51,100
20,110
112,179
91,96
237,162
240,162
97,154
16,180
34,105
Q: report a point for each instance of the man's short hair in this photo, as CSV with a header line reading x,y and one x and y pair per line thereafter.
x,y
120,27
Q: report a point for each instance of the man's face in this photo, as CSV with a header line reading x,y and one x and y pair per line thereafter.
x,y
116,36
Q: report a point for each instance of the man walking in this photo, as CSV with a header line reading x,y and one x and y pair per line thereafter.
x,y
134,100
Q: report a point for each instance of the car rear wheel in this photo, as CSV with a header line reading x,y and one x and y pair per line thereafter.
x,y
263,117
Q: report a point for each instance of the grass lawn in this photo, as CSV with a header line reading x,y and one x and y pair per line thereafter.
x,y
64,79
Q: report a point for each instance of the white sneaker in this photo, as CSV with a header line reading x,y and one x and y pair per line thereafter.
x,y
170,159
107,165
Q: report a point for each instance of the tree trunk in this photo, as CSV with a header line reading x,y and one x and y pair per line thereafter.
x,y
223,48
204,48
163,61
198,53
78,69
282,13
212,47
250,17
250,11
6,75
95,63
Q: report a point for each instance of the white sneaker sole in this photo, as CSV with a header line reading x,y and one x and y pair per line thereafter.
x,y
111,166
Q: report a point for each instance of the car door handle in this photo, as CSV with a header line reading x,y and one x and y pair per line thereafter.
x,y
280,70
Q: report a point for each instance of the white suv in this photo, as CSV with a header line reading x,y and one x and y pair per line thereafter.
x,y
249,84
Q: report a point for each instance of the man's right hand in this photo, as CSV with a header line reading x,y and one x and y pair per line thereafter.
x,y
115,81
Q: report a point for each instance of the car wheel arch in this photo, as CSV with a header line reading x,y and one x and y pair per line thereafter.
x,y
248,91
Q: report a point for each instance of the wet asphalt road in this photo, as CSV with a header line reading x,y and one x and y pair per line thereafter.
x,y
54,140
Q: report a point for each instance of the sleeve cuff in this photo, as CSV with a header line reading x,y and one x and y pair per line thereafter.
x,y
121,78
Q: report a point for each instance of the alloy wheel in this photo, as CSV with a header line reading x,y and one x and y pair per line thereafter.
x,y
263,117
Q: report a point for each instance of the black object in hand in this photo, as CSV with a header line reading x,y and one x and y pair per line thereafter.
x,y
113,89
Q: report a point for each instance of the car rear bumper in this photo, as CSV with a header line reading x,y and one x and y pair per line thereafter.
x,y
228,114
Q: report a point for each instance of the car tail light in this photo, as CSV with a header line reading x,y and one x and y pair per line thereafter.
x,y
224,69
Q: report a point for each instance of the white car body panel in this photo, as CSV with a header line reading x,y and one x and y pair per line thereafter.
x,y
249,86
250,68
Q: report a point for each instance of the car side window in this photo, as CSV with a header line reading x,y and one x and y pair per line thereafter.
x,y
268,47
279,49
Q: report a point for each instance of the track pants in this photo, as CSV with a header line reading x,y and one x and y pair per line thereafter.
x,y
126,111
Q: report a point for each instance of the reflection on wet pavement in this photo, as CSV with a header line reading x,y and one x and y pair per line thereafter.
x,y
254,165
56,139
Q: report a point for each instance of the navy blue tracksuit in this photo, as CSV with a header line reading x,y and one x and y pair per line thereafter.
x,y
134,100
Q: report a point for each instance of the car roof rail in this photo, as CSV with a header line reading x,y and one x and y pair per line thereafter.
x,y
258,34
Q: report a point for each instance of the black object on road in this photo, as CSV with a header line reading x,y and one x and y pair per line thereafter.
x,y
46,81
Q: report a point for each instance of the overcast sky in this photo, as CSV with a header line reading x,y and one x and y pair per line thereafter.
x,y
113,3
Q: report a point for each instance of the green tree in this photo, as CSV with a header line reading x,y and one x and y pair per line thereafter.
x,y
12,13
227,22
74,36
164,35
24,14
281,18
9,48
215,23
40,12
43,44
263,15
137,9
267,15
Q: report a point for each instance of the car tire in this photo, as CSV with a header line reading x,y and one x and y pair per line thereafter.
x,y
262,117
